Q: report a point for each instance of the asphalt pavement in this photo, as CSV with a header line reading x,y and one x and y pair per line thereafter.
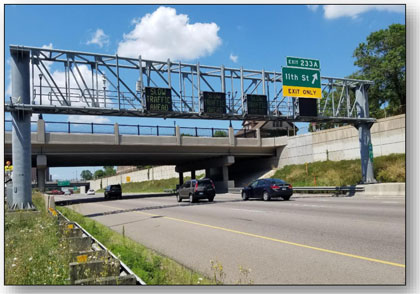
x,y
305,241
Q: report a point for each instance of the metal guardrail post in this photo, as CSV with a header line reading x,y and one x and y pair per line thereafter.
x,y
196,133
91,127
138,130
157,131
68,127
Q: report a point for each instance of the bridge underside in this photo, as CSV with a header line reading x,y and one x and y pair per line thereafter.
x,y
99,155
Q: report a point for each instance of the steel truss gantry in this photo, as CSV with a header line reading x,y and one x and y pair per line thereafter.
x,y
99,84
72,82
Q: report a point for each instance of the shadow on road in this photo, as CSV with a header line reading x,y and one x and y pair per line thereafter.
x,y
102,199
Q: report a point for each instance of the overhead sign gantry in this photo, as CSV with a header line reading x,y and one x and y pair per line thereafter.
x,y
71,82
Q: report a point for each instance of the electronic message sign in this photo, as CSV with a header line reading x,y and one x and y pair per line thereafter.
x,y
214,102
256,104
158,99
308,107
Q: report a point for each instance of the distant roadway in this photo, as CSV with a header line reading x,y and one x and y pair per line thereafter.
x,y
307,240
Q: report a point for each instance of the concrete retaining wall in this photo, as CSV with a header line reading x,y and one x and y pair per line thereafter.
x,y
155,173
388,136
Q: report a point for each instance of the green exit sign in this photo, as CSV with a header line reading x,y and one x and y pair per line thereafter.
x,y
63,183
301,82
303,62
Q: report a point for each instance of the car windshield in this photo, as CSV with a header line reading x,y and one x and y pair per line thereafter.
x,y
277,182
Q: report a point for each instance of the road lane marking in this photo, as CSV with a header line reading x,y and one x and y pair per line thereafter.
x,y
251,210
271,239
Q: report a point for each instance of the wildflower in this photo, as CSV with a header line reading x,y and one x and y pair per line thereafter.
x,y
14,259
30,258
13,265
200,279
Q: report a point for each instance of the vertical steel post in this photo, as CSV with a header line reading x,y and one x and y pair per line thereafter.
x,y
118,82
198,87
21,132
362,110
222,77
192,89
141,83
242,91
181,91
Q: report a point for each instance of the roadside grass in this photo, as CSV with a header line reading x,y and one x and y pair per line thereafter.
x,y
34,253
153,186
389,168
150,266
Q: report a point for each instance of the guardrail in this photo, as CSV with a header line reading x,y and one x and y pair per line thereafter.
x,y
328,189
122,276
316,189
124,129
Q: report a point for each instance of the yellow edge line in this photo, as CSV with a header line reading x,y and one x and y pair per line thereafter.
x,y
275,240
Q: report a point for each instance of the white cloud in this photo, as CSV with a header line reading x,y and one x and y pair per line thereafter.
x,y
234,58
312,7
88,119
165,34
353,11
99,38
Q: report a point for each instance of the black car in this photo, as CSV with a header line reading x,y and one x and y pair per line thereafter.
x,y
267,189
113,191
196,189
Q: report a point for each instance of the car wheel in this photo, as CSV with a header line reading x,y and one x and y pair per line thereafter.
x,y
286,198
244,196
211,199
192,198
178,198
120,197
266,197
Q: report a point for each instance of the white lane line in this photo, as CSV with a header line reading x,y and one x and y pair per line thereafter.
x,y
250,210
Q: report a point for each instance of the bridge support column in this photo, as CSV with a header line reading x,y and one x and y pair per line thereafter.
x,y
181,178
21,132
41,167
366,154
193,174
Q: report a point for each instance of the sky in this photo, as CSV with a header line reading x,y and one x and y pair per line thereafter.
x,y
253,36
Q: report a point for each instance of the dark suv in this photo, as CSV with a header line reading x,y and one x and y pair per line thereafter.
x,y
113,191
196,189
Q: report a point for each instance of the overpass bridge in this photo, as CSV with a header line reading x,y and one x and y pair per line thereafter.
x,y
223,158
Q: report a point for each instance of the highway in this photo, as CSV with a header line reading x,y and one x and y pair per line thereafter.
x,y
304,241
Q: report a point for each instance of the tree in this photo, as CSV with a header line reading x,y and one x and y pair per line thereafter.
x,y
86,175
382,60
109,171
99,174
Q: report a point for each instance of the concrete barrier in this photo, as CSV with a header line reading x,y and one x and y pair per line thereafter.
x,y
384,189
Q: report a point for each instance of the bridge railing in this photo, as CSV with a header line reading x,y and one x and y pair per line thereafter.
x,y
124,129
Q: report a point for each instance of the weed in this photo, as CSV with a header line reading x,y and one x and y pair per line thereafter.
x,y
34,251
151,267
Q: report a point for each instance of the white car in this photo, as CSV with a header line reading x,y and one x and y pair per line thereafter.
x,y
91,192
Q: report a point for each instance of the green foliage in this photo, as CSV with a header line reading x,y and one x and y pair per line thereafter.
x,y
98,174
220,134
153,186
34,252
109,171
382,59
390,168
86,175
151,267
